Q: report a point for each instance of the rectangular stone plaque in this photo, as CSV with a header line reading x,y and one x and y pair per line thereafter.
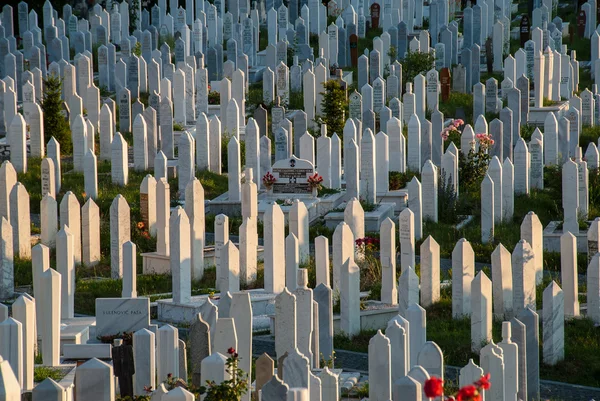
x,y
292,176
119,315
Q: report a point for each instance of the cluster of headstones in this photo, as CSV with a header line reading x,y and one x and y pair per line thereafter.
x,y
179,93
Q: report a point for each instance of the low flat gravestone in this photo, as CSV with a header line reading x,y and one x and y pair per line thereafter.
x,y
120,315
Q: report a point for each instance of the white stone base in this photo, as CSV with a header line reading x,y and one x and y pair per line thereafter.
x,y
537,115
552,238
328,203
74,334
310,202
154,263
373,219
399,197
263,303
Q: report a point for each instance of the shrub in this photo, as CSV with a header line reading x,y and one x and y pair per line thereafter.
x,y
334,106
447,202
55,122
416,63
399,180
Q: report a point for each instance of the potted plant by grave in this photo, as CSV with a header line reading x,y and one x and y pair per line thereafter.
x,y
314,182
268,181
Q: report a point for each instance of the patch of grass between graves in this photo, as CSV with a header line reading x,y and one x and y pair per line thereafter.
x,y
41,373
457,101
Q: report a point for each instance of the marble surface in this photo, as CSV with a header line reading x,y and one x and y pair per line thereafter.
x,y
531,321
296,370
118,315
380,386
275,390
553,323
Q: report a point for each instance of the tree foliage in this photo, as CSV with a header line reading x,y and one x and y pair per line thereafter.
x,y
55,123
416,63
334,105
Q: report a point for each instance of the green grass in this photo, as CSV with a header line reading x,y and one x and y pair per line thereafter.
x,y
527,131
399,180
456,101
588,135
213,183
585,79
41,373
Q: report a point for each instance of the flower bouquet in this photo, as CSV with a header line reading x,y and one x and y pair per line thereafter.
x,y
268,180
315,181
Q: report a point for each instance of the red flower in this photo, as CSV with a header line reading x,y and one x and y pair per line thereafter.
x,y
235,355
268,180
484,382
434,387
231,350
468,393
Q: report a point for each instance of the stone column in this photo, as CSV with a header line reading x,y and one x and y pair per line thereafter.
x,y
163,209
380,372
120,232
24,312
180,256
387,256
553,324
167,352
481,311
463,263
50,284
144,349
65,265
11,346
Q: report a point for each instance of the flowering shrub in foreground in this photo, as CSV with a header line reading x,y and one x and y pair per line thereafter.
x,y
434,387
451,128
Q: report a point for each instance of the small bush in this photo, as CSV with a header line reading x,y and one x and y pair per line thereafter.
x,y
334,106
41,373
55,123
455,101
399,180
